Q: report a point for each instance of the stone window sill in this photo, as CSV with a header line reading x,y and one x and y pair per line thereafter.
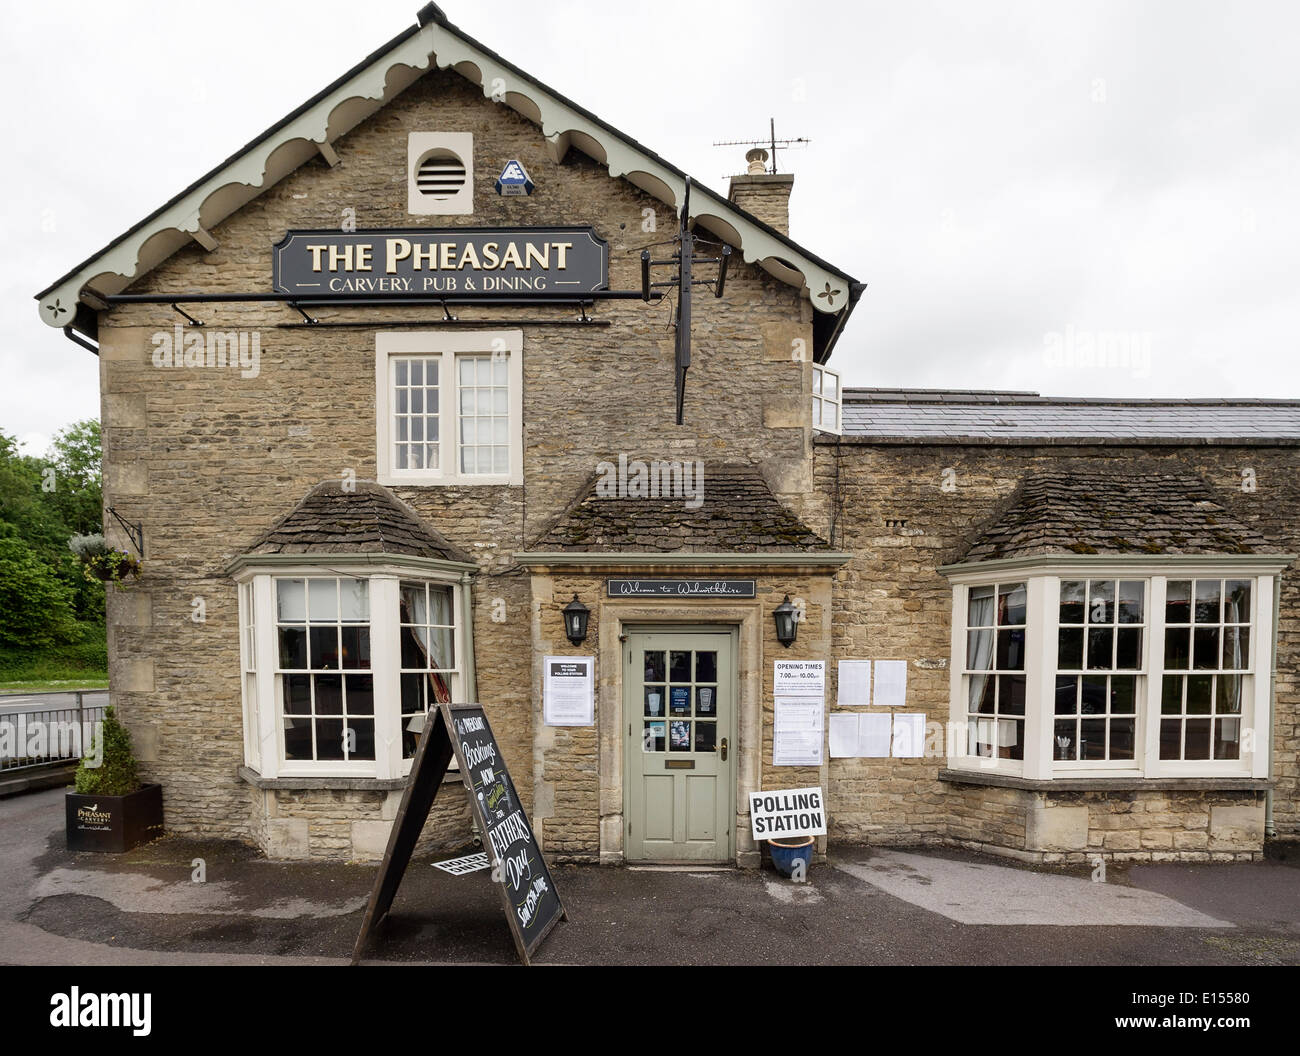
x,y
1108,784
365,784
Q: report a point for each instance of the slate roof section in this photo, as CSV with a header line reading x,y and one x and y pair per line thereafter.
x,y
739,514
1080,512
937,416
367,520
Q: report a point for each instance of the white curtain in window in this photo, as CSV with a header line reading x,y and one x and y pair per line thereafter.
x,y
981,658
434,642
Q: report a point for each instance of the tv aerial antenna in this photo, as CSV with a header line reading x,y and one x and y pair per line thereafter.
x,y
770,145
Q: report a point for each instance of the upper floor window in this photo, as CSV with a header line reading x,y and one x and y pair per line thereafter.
x,y
1151,675
449,407
826,399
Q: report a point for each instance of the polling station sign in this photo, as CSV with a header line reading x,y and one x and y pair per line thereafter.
x,y
787,812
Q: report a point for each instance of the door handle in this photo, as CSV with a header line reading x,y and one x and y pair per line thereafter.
x,y
724,749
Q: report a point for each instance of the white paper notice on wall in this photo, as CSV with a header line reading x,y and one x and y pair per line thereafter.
x,y
844,734
874,735
861,735
890,684
854,683
799,678
798,731
568,691
909,736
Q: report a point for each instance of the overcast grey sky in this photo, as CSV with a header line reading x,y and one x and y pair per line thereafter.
x,y
1010,179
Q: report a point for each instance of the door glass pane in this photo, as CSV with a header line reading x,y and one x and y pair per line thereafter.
x,y
653,738
654,665
706,666
679,700
706,700
679,735
654,701
706,736
679,666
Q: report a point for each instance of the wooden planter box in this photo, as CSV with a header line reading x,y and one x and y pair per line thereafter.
x,y
114,823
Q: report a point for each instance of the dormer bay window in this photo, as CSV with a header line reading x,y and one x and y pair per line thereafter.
x,y
355,619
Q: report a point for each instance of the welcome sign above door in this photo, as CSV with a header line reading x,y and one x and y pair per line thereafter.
x,y
680,588
421,262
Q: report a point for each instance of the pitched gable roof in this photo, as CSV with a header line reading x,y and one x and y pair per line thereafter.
x,y
365,89
369,519
1115,512
739,514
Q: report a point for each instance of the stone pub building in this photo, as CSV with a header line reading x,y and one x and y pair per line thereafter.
x,y
429,406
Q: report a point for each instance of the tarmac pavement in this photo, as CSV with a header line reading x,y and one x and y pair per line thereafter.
x,y
867,905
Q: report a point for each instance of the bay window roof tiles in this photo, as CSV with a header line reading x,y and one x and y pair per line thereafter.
x,y
738,514
1099,512
366,518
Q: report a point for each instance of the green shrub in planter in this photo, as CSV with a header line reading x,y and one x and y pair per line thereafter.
x,y
110,810
117,773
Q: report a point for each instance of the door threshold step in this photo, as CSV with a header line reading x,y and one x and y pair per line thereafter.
x,y
681,867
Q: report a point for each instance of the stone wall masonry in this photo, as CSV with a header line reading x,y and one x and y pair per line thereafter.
x,y
352,824
207,459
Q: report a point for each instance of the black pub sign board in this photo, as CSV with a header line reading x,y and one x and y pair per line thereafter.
x,y
680,588
502,262
532,905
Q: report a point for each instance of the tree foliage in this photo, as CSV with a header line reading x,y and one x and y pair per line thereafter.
x,y
43,503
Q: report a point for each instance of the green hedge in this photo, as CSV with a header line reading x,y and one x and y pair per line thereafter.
x,y
90,656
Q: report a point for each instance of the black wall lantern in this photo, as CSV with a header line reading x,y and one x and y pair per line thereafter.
x,y
787,622
575,621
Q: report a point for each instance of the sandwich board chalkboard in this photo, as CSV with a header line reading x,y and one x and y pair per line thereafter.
x,y
528,892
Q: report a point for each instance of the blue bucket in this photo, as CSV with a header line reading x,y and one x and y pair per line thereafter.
x,y
786,852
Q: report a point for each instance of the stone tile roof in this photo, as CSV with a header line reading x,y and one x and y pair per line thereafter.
x,y
1081,512
739,514
936,415
367,520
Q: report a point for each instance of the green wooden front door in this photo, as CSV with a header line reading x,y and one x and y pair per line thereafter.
x,y
680,739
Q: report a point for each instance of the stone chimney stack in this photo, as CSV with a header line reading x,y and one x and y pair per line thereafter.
x,y
761,193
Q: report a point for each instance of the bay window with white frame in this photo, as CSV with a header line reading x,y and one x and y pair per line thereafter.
x,y
341,665
449,407
1084,669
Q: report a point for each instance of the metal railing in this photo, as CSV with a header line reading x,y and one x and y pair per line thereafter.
x,y
33,737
